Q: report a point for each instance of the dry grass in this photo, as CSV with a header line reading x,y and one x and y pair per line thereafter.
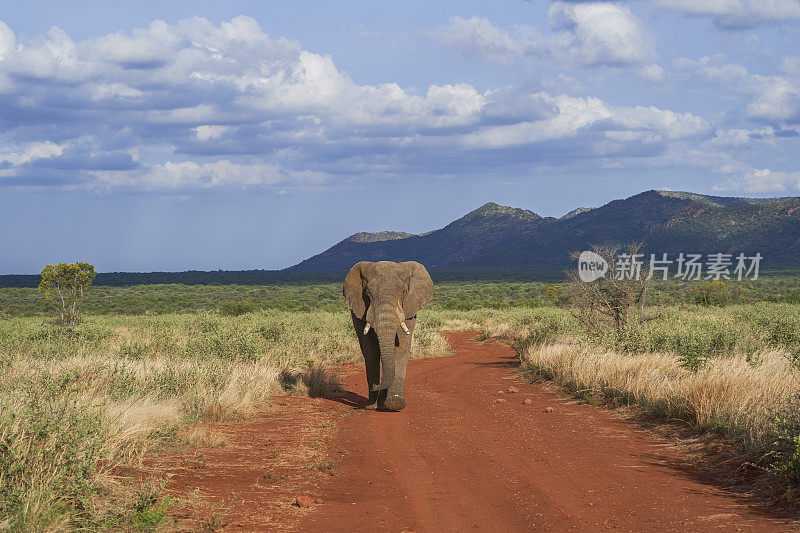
x,y
126,385
317,381
730,393
205,437
729,398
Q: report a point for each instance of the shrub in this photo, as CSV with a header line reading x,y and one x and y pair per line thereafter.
x,y
231,308
786,459
49,446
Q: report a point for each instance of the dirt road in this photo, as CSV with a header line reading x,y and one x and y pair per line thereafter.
x,y
459,458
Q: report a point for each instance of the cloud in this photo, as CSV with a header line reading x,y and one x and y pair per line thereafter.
x,y
477,37
760,181
598,127
210,132
775,99
193,106
741,138
595,34
738,14
653,73
8,41
191,176
600,34
32,152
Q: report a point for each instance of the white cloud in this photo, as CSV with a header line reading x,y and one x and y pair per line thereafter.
x,y
8,41
760,181
593,118
738,14
192,176
480,38
652,72
32,152
601,34
709,69
775,98
591,34
740,138
195,106
209,132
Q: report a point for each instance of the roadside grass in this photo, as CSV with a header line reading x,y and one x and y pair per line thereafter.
x,y
75,405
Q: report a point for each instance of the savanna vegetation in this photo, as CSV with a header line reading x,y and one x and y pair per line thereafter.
x,y
148,360
326,296
76,403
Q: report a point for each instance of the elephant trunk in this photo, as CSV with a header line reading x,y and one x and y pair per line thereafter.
x,y
386,341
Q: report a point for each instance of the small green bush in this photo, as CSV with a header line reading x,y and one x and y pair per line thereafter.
x,y
235,308
786,456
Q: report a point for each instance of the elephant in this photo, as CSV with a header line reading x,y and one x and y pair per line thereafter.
x,y
384,298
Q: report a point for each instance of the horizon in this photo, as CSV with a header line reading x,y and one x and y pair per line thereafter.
x,y
163,137
423,233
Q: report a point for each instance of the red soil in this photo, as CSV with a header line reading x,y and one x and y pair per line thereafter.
x,y
455,460
249,483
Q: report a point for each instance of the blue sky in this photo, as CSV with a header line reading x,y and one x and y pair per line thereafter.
x,y
179,135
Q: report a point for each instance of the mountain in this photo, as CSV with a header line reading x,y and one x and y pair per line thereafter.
x,y
477,232
499,237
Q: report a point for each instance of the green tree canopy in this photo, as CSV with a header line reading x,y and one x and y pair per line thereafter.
x,y
68,281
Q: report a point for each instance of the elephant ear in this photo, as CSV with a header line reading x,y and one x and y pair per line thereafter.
x,y
355,284
420,287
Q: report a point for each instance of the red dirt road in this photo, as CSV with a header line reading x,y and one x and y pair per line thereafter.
x,y
456,460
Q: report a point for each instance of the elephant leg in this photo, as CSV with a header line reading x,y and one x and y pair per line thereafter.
x,y
395,400
372,363
372,360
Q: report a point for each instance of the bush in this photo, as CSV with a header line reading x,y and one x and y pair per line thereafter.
x,y
792,296
235,308
49,446
786,460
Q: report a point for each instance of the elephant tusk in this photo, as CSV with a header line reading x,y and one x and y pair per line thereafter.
x,y
366,328
405,328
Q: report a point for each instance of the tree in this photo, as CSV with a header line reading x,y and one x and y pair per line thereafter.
x,y
614,300
68,280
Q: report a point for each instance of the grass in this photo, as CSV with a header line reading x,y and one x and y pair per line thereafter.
x,y
74,405
317,381
327,465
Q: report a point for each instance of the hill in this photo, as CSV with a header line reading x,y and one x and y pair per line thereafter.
x,y
506,238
